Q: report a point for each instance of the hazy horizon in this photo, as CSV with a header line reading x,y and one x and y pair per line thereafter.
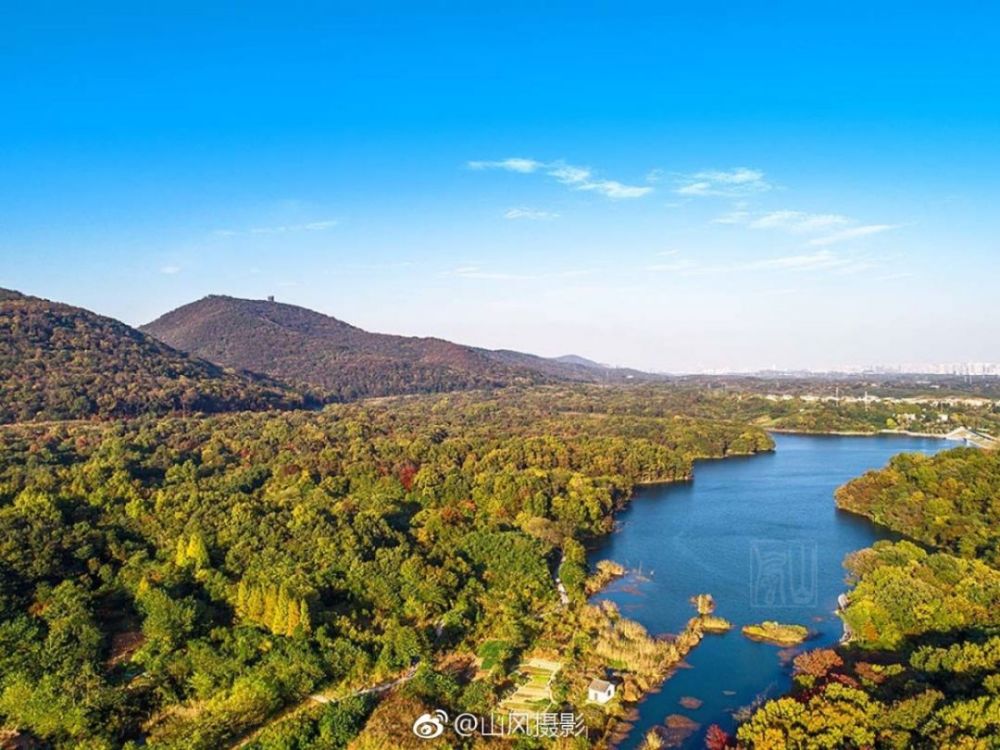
x,y
671,189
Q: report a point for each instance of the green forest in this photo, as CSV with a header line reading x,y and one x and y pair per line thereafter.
x,y
200,557
950,501
60,362
180,582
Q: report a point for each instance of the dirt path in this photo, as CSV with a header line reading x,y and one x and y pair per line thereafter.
x,y
322,699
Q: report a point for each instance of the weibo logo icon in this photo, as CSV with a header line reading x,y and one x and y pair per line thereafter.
x,y
429,726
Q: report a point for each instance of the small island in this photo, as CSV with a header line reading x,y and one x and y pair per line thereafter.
x,y
780,634
715,624
706,620
607,571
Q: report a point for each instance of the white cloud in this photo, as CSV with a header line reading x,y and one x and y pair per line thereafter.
x,y
514,164
317,225
832,228
821,260
852,233
475,272
312,226
738,176
676,266
170,270
798,222
811,261
529,213
472,271
615,189
739,181
733,217
568,174
578,178
385,266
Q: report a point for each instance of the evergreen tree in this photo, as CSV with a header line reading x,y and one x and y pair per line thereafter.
x,y
304,617
278,620
255,604
180,556
197,552
294,617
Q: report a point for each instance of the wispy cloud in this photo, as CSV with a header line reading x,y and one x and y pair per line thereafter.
x,y
819,261
733,217
384,266
614,189
514,164
675,266
531,214
312,226
831,228
852,233
170,270
575,177
473,271
739,181
798,222
823,259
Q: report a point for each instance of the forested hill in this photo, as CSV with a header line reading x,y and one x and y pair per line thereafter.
x,y
172,584
63,362
950,500
305,347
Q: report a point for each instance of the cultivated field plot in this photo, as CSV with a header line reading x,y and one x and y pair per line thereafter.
x,y
535,694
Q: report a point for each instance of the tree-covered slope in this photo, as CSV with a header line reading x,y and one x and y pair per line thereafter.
x,y
923,670
177,582
308,348
950,500
63,362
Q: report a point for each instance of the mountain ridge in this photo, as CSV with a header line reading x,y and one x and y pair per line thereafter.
x,y
58,361
307,348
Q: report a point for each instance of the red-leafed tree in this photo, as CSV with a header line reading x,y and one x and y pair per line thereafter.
x,y
716,738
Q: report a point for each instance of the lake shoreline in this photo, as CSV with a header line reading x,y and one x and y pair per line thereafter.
x,y
733,670
691,475
858,433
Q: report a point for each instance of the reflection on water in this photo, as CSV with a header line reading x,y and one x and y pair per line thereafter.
x,y
760,534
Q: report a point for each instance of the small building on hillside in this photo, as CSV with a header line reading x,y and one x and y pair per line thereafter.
x,y
600,691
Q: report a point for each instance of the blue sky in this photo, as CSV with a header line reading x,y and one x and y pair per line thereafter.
x,y
670,186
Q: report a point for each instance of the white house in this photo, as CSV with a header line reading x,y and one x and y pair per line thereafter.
x,y
600,691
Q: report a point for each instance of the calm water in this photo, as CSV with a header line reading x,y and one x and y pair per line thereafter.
x,y
762,535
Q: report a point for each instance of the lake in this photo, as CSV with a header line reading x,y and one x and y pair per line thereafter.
x,y
762,535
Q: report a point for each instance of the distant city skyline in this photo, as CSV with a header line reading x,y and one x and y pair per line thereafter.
x,y
663,186
973,369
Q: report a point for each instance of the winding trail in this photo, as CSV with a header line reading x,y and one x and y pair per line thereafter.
x,y
322,699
